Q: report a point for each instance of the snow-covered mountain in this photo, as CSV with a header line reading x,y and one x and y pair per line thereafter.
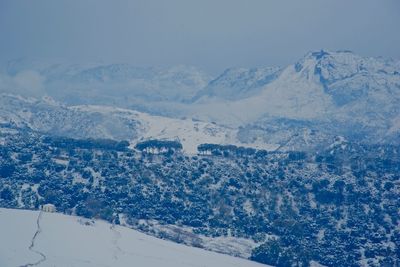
x,y
50,239
354,95
323,85
325,93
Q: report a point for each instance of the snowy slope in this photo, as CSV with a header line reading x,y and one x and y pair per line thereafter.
x,y
238,83
28,237
46,116
291,95
189,132
86,121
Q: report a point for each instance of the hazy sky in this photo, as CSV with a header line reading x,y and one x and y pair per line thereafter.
x,y
211,34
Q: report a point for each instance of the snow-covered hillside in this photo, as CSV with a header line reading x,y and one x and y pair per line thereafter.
x,y
46,116
31,238
189,132
87,121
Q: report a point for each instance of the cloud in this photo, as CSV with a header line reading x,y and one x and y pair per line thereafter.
x,y
26,83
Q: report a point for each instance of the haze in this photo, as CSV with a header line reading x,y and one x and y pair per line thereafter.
x,y
209,34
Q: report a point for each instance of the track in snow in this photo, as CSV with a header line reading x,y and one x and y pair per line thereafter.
x,y
32,245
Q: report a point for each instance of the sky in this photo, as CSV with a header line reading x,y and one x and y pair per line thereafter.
x,y
210,34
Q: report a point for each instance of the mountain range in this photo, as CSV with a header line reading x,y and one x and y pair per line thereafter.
x,y
311,102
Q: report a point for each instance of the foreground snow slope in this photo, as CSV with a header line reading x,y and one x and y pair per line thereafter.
x,y
62,240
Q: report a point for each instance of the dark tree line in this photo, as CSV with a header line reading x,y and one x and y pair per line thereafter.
x,y
70,143
155,145
229,150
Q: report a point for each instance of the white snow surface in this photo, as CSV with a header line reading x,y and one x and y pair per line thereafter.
x,y
189,132
72,241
